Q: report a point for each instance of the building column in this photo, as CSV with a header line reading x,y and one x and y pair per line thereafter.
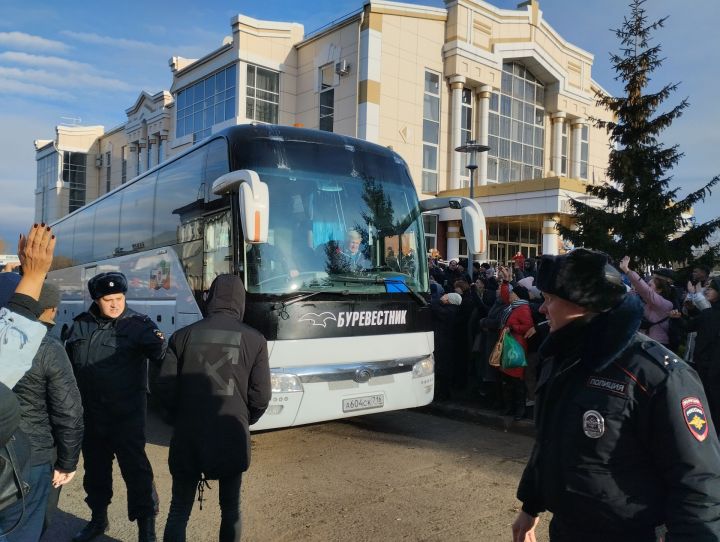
x,y
370,58
142,155
457,82
482,131
453,240
558,119
550,237
577,126
152,150
163,145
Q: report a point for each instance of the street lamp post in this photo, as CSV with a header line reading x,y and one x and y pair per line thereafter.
x,y
472,148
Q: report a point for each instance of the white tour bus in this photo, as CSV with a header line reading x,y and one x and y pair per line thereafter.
x,y
348,332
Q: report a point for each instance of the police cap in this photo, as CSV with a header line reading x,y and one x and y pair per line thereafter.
x,y
107,284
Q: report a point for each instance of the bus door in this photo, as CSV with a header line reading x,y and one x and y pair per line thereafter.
x,y
218,247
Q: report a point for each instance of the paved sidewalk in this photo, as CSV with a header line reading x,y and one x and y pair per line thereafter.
x,y
471,412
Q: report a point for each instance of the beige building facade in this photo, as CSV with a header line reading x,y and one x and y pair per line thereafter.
x,y
421,80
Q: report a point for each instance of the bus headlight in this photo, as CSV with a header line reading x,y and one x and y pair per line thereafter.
x,y
284,383
424,367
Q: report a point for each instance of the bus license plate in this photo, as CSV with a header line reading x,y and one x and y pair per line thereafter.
x,y
363,403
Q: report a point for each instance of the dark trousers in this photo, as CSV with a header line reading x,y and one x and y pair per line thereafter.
x,y
125,439
564,532
30,527
183,496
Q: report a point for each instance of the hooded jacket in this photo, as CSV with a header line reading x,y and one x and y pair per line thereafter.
x,y
215,380
624,439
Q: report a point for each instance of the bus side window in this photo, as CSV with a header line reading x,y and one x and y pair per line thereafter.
x,y
65,233
179,185
84,229
136,216
218,247
107,224
216,165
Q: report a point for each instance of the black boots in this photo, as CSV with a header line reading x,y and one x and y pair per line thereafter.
x,y
95,527
146,529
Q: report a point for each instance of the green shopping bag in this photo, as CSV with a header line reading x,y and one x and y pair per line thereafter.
x,y
513,355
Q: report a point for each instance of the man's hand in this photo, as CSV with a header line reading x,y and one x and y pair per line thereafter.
x,y
60,478
36,253
523,528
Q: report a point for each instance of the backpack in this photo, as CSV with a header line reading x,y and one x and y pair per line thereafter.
x,y
14,473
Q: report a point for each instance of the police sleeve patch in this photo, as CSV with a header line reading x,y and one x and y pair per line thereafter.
x,y
159,334
695,418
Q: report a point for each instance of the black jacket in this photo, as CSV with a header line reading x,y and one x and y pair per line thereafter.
x,y
624,439
215,380
51,408
109,357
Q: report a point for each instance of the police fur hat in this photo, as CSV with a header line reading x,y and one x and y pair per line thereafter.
x,y
583,277
107,284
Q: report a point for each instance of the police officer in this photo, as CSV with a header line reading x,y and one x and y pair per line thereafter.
x,y
625,444
109,346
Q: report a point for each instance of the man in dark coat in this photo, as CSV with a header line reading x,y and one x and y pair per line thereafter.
x,y
52,417
109,346
624,442
215,381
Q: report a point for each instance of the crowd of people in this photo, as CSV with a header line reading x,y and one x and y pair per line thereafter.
x,y
625,448
88,393
471,308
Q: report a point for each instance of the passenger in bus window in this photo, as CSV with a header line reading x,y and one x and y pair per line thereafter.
x,y
352,258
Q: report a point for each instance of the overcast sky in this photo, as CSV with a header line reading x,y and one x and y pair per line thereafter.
x,y
89,61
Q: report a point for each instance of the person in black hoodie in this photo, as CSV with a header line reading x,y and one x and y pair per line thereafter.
x,y
215,382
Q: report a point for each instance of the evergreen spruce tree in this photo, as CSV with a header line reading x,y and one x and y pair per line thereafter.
x,y
643,217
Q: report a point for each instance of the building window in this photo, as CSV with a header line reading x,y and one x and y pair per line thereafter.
x,y
466,129
564,150
206,103
516,126
431,132
584,149
74,176
47,177
263,94
123,171
430,224
327,97
107,172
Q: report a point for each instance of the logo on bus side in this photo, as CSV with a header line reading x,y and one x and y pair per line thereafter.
x,y
357,318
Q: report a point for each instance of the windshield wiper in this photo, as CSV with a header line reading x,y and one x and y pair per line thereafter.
x,y
283,305
387,280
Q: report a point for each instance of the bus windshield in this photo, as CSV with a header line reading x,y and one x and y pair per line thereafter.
x,y
348,222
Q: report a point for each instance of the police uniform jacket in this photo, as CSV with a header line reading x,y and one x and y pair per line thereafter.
x,y
624,439
109,357
215,380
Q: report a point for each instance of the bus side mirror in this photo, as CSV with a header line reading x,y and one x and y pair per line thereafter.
x,y
473,219
254,201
